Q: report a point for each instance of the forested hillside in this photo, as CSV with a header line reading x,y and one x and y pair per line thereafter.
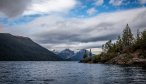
x,y
128,49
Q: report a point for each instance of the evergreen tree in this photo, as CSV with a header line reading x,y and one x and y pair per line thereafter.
x,y
119,44
143,40
90,54
137,42
107,46
127,37
85,55
138,35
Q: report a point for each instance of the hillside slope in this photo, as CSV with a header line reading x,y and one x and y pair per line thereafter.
x,y
23,48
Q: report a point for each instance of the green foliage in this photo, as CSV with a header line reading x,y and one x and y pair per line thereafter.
x,y
85,55
104,57
119,44
143,40
127,37
108,45
125,44
140,42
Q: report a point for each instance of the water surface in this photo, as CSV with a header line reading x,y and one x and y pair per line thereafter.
x,y
40,72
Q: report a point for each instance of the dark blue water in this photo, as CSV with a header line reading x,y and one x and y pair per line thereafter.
x,y
40,72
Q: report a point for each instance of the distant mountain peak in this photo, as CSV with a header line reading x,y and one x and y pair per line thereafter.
x,y
72,55
66,53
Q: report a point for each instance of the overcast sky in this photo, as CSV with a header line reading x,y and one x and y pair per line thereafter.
x,y
75,24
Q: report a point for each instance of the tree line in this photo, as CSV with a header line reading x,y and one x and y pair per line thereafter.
x,y
127,44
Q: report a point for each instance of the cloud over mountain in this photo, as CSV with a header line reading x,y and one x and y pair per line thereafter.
x,y
71,23
54,31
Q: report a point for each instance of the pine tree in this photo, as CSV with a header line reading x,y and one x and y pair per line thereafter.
x,y
127,37
119,44
137,42
138,35
85,54
107,46
143,40
90,54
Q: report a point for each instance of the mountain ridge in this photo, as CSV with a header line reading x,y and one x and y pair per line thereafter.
x,y
71,55
19,48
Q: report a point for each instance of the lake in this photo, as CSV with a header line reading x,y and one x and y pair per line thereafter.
x,y
63,72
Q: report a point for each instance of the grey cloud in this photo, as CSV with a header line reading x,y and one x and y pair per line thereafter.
x,y
101,38
59,32
77,31
13,8
77,45
139,21
64,37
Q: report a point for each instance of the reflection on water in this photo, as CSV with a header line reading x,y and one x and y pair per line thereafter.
x,y
40,72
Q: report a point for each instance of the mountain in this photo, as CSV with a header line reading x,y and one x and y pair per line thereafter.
x,y
70,55
79,55
65,54
18,48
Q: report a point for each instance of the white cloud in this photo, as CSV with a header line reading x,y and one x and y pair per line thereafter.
x,y
95,50
14,8
116,2
91,11
142,2
50,6
99,2
54,31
